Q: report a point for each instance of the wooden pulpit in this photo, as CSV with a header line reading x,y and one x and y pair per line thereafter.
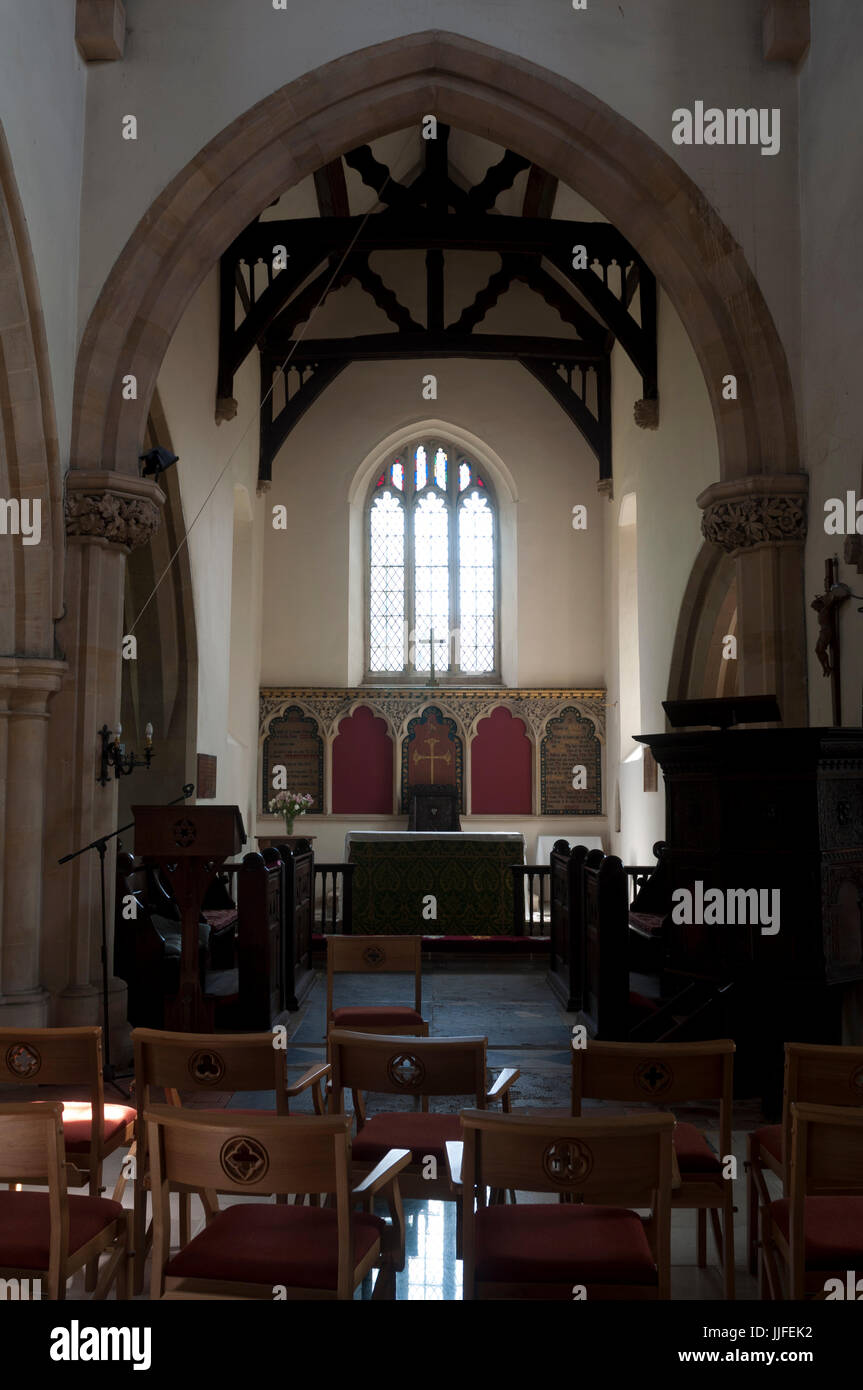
x,y
189,844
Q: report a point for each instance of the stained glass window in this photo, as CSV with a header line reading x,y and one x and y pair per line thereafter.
x,y
432,567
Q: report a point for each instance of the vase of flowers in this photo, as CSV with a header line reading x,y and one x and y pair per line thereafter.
x,y
290,805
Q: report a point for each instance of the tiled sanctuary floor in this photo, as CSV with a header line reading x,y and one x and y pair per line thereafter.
x,y
516,1010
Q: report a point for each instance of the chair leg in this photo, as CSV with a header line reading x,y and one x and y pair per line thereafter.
x,y
185,1201
385,1284
139,1234
751,1206
728,1248
701,1237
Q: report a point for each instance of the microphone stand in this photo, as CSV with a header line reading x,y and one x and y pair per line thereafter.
x,y
101,846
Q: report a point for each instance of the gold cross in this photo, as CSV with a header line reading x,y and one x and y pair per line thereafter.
x,y
431,755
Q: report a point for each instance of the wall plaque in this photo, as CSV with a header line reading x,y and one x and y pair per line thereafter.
x,y
570,744
293,742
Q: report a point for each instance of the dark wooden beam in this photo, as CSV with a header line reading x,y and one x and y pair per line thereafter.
x,y
434,291
275,430
331,190
382,347
378,177
406,230
496,285
385,298
530,272
502,175
539,194
596,431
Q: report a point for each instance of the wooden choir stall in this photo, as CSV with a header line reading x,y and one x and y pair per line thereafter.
x,y
751,922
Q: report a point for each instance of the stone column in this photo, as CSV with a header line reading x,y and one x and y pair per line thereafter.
x,y
107,516
26,687
761,522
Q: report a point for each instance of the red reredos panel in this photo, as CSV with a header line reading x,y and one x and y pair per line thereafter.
x,y
363,765
500,766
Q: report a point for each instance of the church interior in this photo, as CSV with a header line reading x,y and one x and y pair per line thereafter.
x,y
431,676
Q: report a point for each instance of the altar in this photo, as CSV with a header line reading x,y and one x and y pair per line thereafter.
x,y
456,883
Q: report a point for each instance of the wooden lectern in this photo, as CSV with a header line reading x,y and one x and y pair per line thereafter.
x,y
189,844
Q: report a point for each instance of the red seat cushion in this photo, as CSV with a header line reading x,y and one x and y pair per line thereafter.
x,y
253,1243
834,1230
25,1226
552,1244
389,1015
78,1121
641,1001
769,1137
694,1154
422,1134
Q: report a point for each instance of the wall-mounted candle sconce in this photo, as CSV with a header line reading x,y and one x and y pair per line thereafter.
x,y
114,754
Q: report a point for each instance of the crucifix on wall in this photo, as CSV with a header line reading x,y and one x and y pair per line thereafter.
x,y
827,648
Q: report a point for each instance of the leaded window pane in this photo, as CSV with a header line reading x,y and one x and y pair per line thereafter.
x,y
431,581
476,583
387,584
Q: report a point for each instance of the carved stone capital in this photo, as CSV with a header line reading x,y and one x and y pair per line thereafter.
x,y
764,509
112,507
226,409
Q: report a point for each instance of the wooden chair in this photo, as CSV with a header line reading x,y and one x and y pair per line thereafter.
x,y
406,1066
251,1250
667,1073
49,1235
815,1074
817,1229
545,1250
70,1058
175,1062
376,955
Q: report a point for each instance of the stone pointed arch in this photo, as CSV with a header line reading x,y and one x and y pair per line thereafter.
x,y
488,92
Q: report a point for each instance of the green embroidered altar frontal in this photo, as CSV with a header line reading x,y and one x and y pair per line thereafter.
x,y
469,877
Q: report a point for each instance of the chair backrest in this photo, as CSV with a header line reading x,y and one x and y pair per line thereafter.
x,y
819,1075
32,1151
621,1161
31,1144
208,1062
407,1066
69,1057
826,1161
374,955
249,1156
658,1074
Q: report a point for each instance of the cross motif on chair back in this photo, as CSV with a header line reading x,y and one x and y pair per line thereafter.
x,y
373,955
22,1059
567,1160
405,1070
857,1084
653,1077
244,1160
206,1067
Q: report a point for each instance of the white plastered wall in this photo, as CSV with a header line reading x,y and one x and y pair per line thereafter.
x,y
665,469
227,680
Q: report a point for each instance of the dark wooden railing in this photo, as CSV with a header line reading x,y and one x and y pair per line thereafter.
x,y
638,874
335,882
531,899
